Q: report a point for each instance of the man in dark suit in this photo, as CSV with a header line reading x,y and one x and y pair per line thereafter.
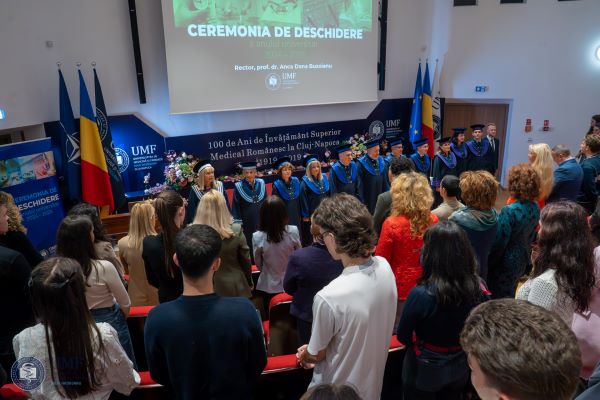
x,y
567,177
397,166
490,129
588,195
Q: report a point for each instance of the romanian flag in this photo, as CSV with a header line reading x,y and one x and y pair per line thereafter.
x,y
95,181
427,128
414,131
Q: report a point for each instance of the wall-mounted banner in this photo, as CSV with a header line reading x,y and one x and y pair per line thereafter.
x,y
28,172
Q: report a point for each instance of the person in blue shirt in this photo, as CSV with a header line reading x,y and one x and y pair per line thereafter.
x,y
343,175
567,177
287,187
459,148
481,156
371,172
314,188
421,158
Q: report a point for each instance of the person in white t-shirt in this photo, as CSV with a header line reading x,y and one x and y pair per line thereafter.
x,y
353,316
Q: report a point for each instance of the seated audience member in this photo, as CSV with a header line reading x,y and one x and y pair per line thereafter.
x,y
158,250
273,243
202,345
81,358
396,166
562,279
567,177
16,236
588,194
234,277
479,218
102,243
517,350
141,224
402,233
511,253
353,316
105,293
434,314
593,387
309,270
331,392
14,295
449,190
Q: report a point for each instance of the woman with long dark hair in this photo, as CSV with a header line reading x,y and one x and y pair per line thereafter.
x,y
435,312
562,278
272,245
158,250
83,359
105,294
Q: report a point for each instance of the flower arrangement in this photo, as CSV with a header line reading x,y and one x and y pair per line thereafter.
x,y
357,144
180,169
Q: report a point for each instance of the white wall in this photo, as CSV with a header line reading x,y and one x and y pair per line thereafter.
x,y
91,30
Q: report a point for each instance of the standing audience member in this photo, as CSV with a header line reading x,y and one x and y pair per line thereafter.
x,y
491,130
397,166
158,250
202,345
479,218
16,236
371,173
82,359
459,148
567,177
593,123
353,316
434,314
449,190
518,350
562,279
343,175
287,187
315,187
511,253
331,392
204,181
273,243
540,159
444,163
141,224
481,156
234,277
588,194
593,388
14,294
102,243
105,293
402,233
309,270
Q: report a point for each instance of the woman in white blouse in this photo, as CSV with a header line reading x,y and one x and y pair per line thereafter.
x,y
273,243
105,293
562,279
80,359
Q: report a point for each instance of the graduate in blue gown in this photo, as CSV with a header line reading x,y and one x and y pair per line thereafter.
x,y
459,148
420,158
481,155
444,163
287,187
203,182
396,145
343,175
248,196
371,172
314,188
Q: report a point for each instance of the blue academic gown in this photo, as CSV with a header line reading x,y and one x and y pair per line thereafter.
x,y
311,194
481,156
290,194
443,166
422,164
344,179
246,204
373,180
462,156
194,199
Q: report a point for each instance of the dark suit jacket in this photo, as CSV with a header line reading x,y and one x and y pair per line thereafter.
x,y
567,181
496,152
382,210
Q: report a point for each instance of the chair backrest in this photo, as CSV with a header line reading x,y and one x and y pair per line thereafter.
x,y
136,322
283,336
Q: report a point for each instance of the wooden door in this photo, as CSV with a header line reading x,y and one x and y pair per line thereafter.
x,y
462,115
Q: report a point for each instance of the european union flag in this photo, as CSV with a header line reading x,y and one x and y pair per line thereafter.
x,y
416,119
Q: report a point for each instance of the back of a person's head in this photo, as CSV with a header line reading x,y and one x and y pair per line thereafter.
x,y
141,223
73,240
412,197
400,165
212,211
449,265
328,391
57,289
349,221
197,247
15,220
524,182
91,211
479,189
273,218
561,149
593,143
451,185
523,350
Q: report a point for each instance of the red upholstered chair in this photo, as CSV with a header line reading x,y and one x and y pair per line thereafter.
x,y
12,392
280,330
136,322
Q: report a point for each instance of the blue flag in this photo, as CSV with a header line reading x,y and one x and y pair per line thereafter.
x,y
68,143
416,119
116,181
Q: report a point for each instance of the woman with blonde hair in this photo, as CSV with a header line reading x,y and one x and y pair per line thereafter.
x,y
204,181
234,277
540,159
314,188
141,224
402,233
16,237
